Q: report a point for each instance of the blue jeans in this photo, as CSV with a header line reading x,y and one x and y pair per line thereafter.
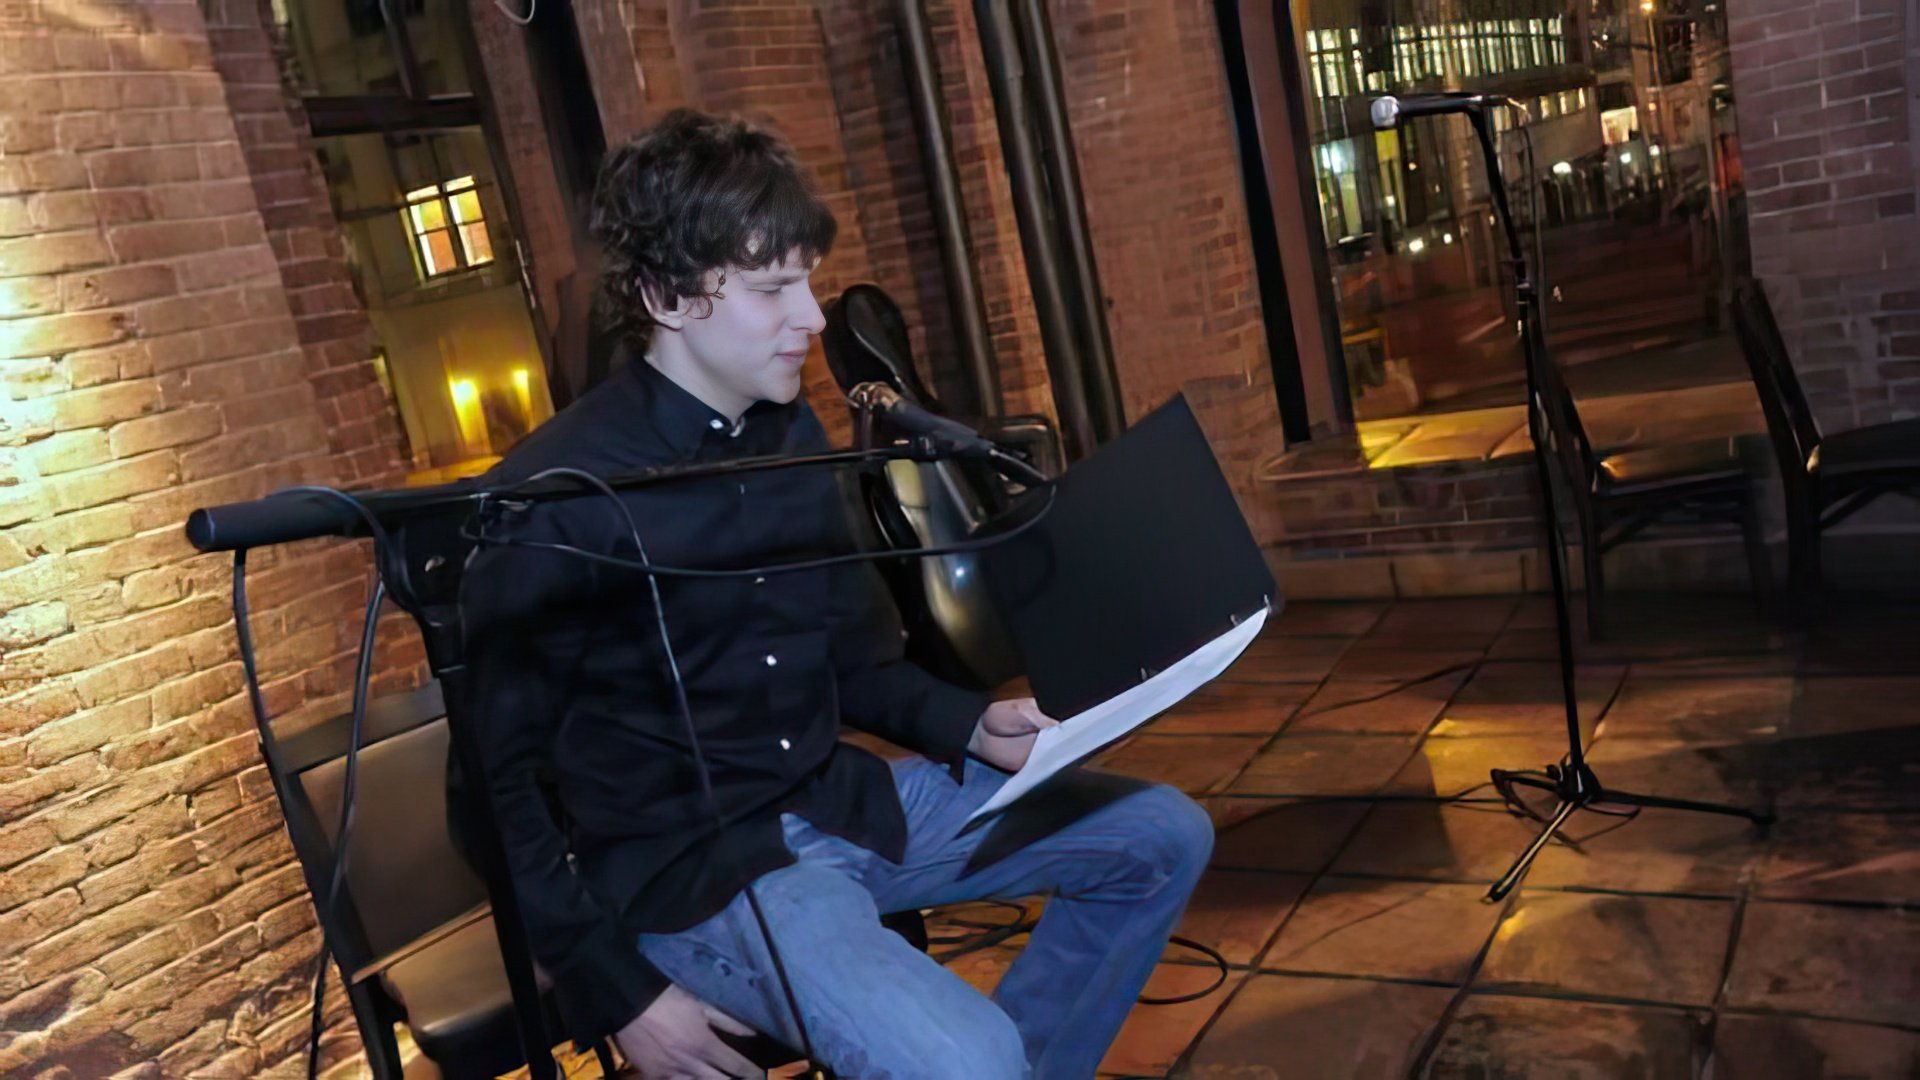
x,y
876,1007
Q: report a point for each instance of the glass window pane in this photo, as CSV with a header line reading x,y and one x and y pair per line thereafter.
x,y
1415,263
479,249
431,214
344,47
436,250
466,207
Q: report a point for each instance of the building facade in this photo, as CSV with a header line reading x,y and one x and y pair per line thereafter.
x,y
249,244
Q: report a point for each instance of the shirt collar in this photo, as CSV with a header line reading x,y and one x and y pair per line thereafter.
x,y
683,420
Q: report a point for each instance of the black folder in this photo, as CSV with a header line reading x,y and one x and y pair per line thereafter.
x,y
1141,558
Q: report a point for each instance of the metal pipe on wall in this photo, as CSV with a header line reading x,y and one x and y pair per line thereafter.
x,y
1283,354
1086,301
1032,208
967,307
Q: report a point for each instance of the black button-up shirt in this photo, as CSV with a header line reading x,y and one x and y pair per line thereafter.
x,y
575,705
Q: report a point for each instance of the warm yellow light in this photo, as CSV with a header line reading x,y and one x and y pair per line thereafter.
x,y
466,414
523,387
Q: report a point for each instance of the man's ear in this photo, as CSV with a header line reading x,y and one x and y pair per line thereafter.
x,y
673,316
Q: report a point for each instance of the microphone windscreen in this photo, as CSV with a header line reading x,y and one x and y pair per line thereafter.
x,y
1386,112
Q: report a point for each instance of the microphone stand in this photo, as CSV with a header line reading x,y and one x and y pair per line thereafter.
x,y
422,579
1573,782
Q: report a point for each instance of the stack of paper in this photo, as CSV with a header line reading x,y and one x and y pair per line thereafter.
x,y
1075,738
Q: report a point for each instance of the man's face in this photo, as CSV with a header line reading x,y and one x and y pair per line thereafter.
x,y
748,343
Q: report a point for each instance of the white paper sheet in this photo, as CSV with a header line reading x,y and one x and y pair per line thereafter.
x,y
1058,747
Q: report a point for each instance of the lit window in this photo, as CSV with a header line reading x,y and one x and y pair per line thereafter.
x,y
449,231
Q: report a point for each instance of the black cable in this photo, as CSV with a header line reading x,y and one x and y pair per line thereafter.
x,y
960,547
1211,953
693,735
362,677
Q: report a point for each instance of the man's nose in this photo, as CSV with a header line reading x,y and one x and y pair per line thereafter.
x,y
809,317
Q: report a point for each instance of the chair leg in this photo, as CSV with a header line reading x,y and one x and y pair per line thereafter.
x,y
1803,556
1759,565
376,1035
1593,559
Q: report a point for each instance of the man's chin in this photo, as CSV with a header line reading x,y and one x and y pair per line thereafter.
x,y
784,391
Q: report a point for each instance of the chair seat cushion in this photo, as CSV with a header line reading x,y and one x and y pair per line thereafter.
x,y
457,1003
1889,447
1651,469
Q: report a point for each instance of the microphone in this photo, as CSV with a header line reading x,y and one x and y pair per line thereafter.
x,y
1390,112
896,410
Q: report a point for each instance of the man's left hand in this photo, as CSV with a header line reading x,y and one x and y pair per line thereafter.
x,y
1004,736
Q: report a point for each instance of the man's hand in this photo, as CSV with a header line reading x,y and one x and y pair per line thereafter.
x,y
674,1040
1004,736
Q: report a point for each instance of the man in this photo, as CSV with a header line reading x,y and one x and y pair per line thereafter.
x,y
646,910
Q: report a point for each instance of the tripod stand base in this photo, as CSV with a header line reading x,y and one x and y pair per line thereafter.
x,y
1578,788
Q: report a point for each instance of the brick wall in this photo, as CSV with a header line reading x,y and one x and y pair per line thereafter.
x,y
171,335
1144,87
1826,105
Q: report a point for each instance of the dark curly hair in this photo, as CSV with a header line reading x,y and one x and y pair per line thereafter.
x,y
695,194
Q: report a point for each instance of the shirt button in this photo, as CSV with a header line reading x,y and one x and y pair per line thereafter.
x,y
716,423
785,745
743,489
772,660
759,581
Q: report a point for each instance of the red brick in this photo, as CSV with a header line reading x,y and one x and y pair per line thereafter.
x,y
52,253
107,483
100,406
114,287
58,334
176,427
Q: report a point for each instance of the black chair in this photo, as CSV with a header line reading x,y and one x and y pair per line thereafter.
x,y
410,930
1620,494
1826,478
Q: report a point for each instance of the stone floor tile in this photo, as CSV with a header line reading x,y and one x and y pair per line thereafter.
x,y
1192,763
1702,710
1771,1047
1840,706
1657,851
1237,911
1501,1036
1649,948
1323,764
1294,835
1393,663
1867,769
1838,962
1463,615
1450,766
1325,619
1369,708
1435,841
1273,658
1384,929
1154,1036
1732,773
1859,857
1282,1027
1223,708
